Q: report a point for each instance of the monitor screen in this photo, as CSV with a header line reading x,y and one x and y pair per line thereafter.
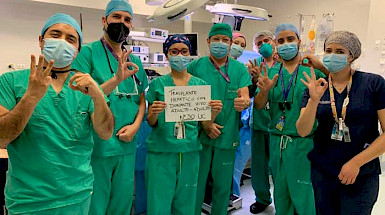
x,y
193,37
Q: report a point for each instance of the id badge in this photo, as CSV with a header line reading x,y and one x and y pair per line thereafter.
x,y
179,130
340,129
335,132
346,134
280,124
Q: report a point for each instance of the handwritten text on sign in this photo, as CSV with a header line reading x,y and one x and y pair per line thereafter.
x,y
189,103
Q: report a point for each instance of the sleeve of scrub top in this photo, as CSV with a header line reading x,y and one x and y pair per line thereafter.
x,y
150,96
319,74
82,62
245,79
305,98
7,95
378,85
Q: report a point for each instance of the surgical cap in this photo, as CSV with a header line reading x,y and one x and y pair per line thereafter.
x,y
176,38
119,5
346,39
221,29
286,27
236,35
66,19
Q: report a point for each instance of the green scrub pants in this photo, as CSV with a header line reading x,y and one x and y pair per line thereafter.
x,y
171,182
291,171
79,208
260,166
221,163
113,185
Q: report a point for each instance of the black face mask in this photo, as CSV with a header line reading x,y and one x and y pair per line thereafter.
x,y
117,32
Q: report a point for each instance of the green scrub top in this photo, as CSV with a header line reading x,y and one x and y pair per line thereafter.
x,y
226,92
261,118
49,163
92,59
294,97
162,137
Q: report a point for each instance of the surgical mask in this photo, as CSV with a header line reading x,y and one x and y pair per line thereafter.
x,y
288,51
335,62
266,50
118,32
60,51
236,51
219,49
179,63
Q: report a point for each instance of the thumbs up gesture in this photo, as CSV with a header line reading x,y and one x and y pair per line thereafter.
x,y
242,101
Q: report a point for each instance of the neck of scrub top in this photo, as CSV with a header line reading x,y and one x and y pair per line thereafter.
x,y
290,65
342,77
117,47
219,62
177,74
270,60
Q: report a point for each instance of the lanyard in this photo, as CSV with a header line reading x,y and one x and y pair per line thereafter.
x,y
286,91
333,102
225,76
105,44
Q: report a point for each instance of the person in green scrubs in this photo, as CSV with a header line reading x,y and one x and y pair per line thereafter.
x,y
282,89
264,42
229,82
47,115
123,80
172,162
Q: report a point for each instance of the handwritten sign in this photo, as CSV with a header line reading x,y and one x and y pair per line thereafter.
x,y
187,103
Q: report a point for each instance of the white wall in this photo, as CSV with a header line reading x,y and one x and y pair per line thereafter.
x,y
375,31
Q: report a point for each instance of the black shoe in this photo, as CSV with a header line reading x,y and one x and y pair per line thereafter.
x,y
257,208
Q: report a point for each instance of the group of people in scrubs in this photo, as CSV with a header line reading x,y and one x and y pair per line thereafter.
x,y
70,124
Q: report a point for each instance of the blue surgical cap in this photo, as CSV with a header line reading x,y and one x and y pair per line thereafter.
x,y
286,27
177,38
119,5
66,19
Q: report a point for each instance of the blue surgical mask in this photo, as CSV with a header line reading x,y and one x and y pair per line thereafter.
x,y
266,50
60,51
335,62
288,51
219,49
179,63
236,51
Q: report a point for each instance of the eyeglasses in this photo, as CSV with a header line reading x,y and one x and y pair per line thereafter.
x,y
127,95
175,52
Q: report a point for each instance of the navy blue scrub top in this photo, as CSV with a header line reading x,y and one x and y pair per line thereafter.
x,y
367,95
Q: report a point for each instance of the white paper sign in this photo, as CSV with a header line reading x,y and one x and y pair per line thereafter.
x,y
187,103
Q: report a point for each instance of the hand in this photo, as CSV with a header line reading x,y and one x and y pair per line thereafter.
x,y
212,130
157,107
349,172
39,80
254,70
264,82
127,133
241,103
216,106
85,84
312,61
123,72
316,87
